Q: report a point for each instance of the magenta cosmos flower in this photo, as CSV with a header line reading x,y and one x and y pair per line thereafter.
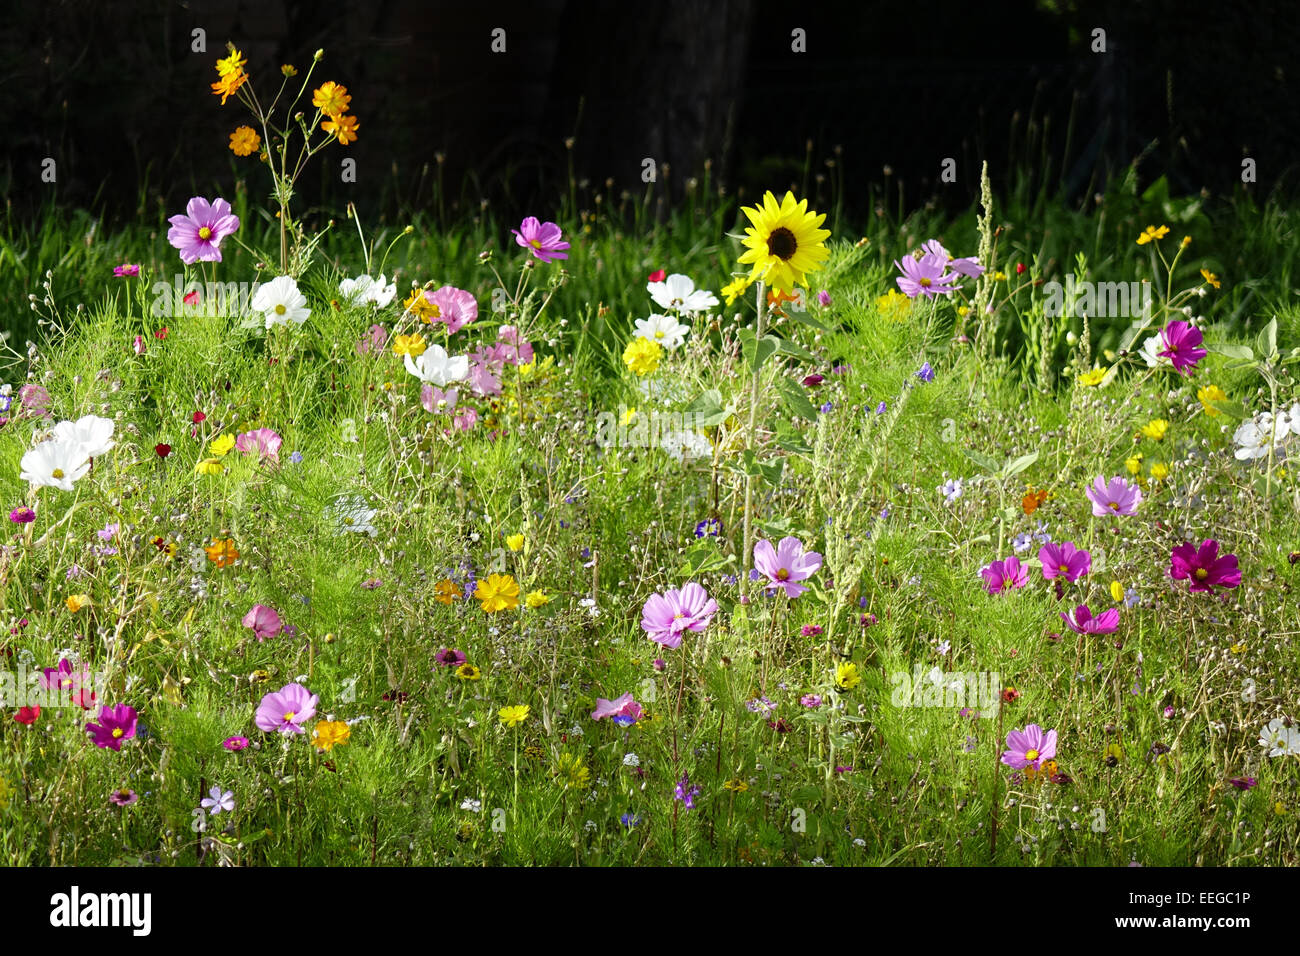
x,y
264,442
786,564
1114,497
456,308
286,709
927,276
1081,621
235,743
1065,560
199,232
1005,575
1203,566
1029,748
623,706
126,270
263,621
1182,343
542,239
116,724
667,616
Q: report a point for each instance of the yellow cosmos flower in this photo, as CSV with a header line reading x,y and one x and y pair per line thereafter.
x,y
736,785
1211,393
221,445
642,355
571,772
847,676
628,415
331,99
536,599
222,552
1155,429
446,591
244,141
1238,648
419,306
498,592
76,602
343,127
411,345
1116,591
893,306
515,542
329,734
735,288
1211,278
784,242
228,85
512,716
1151,233
209,466
231,64
1133,463
1159,471
1093,378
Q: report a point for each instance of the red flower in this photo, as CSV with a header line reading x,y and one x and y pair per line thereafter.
x,y
1020,268
27,715
191,298
199,417
163,449
657,276
161,333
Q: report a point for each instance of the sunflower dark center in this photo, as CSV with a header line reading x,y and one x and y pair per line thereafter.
x,y
782,243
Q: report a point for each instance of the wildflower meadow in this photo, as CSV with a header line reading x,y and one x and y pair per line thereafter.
x,y
722,533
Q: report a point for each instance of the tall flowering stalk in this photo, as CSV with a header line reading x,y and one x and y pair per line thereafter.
x,y
331,120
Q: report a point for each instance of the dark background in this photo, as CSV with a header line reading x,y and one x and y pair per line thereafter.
x,y
113,93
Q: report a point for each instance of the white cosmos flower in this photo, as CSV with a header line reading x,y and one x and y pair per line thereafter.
x,y
1277,738
1150,352
366,289
355,514
57,463
677,293
1253,438
436,367
94,434
663,329
280,302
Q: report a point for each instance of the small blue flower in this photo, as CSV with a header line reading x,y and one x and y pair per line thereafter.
x,y
629,820
880,409
826,409
926,374
296,458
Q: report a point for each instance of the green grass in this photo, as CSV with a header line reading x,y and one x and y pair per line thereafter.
x,y
430,776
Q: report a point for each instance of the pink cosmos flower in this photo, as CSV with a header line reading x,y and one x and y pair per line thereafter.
x,y
264,441
1081,621
116,724
1065,560
436,401
286,709
198,233
126,270
1182,345
77,680
623,706
1005,575
968,266
511,348
456,307
1203,566
666,616
372,341
1029,748
234,744
264,621
542,239
1114,497
786,564
927,276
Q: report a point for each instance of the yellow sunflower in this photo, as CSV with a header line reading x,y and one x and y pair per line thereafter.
x,y
784,243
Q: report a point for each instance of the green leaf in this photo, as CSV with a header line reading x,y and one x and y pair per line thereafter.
x,y
786,347
796,399
790,440
1232,410
1013,468
986,464
756,353
1243,352
1267,340
707,409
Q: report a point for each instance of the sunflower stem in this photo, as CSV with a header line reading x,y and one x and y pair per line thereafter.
x,y
747,556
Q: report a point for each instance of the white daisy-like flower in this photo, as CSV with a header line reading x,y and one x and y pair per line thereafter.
x,y
366,289
631,760
1277,738
1150,353
436,367
280,302
677,293
472,805
94,434
663,329
355,514
56,463
1254,438
686,446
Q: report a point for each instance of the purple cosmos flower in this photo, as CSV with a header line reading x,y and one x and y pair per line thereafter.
x,y
286,709
123,798
22,515
199,232
624,707
685,792
1081,621
1116,497
116,724
1243,783
456,307
1005,575
786,564
1182,343
542,239
264,621
450,657
1204,567
264,442
126,270
1065,560
666,616
1029,748
925,373
235,743
968,266
928,276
